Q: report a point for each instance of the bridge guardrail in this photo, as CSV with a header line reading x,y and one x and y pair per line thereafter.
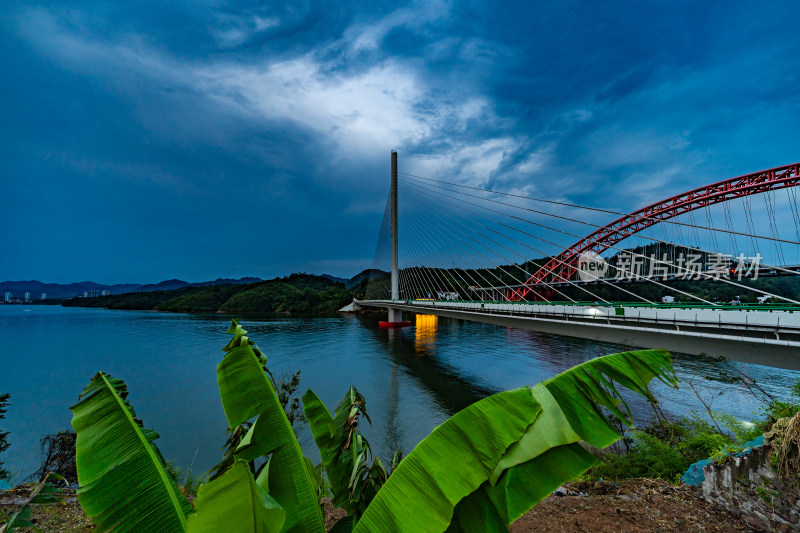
x,y
778,320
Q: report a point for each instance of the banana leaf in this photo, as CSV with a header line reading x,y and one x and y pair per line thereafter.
x,y
247,391
244,386
549,453
584,389
235,437
449,465
546,453
123,483
344,525
343,450
235,503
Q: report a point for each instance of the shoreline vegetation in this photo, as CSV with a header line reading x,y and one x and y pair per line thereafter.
x,y
297,294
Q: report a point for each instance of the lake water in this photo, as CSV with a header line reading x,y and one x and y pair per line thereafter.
x,y
413,379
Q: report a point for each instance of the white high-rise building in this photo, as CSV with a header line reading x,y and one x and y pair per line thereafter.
x,y
27,295
9,296
44,296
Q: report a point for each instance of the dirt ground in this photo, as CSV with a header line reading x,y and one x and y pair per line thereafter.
x,y
632,506
629,507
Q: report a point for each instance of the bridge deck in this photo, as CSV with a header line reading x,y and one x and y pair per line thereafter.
x,y
763,334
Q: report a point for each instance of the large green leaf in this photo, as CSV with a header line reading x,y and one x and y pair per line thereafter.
x,y
320,422
124,485
344,451
244,386
236,504
247,391
549,454
287,478
476,512
450,464
583,390
545,453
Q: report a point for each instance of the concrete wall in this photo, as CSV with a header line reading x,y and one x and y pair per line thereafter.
x,y
748,487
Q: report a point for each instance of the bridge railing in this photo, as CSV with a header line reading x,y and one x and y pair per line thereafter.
x,y
672,305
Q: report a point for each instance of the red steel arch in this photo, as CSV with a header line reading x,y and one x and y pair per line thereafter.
x,y
563,266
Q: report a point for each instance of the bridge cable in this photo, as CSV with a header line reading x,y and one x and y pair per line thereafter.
x,y
477,271
405,283
411,281
627,251
514,264
430,274
466,284
792,201
734,241
713,235
747,205
561,231
440,249
611,246
595,296
678,229
380,253
773,225
486,258
419,280
502,257
515,253
615,286
489,271
598,209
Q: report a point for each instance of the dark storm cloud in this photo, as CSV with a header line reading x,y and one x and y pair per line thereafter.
x,y
146,141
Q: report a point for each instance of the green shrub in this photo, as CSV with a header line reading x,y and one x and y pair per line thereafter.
x,y
186,480
663,450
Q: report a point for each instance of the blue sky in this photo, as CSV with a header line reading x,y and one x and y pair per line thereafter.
x,y
149,140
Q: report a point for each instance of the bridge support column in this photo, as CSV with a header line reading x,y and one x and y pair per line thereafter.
x,y
395,315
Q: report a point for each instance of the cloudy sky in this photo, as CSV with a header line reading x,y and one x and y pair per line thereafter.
x,y
149,140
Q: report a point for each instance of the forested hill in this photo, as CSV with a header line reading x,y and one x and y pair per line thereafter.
x,y
297,294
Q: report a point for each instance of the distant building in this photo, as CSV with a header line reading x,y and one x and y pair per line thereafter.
x,y
105,293
44,296
27,295
9,296
85,294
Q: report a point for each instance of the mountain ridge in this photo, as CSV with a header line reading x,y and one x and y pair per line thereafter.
x,y
78,288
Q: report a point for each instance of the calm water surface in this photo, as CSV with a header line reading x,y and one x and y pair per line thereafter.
x,y
412,379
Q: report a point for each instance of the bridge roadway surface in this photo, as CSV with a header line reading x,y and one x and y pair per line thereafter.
x,y
761,334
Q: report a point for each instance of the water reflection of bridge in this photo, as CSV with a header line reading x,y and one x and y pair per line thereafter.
x,y
451,390
425,334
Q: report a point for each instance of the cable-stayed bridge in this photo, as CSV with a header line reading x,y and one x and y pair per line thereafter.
x,y
713,270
